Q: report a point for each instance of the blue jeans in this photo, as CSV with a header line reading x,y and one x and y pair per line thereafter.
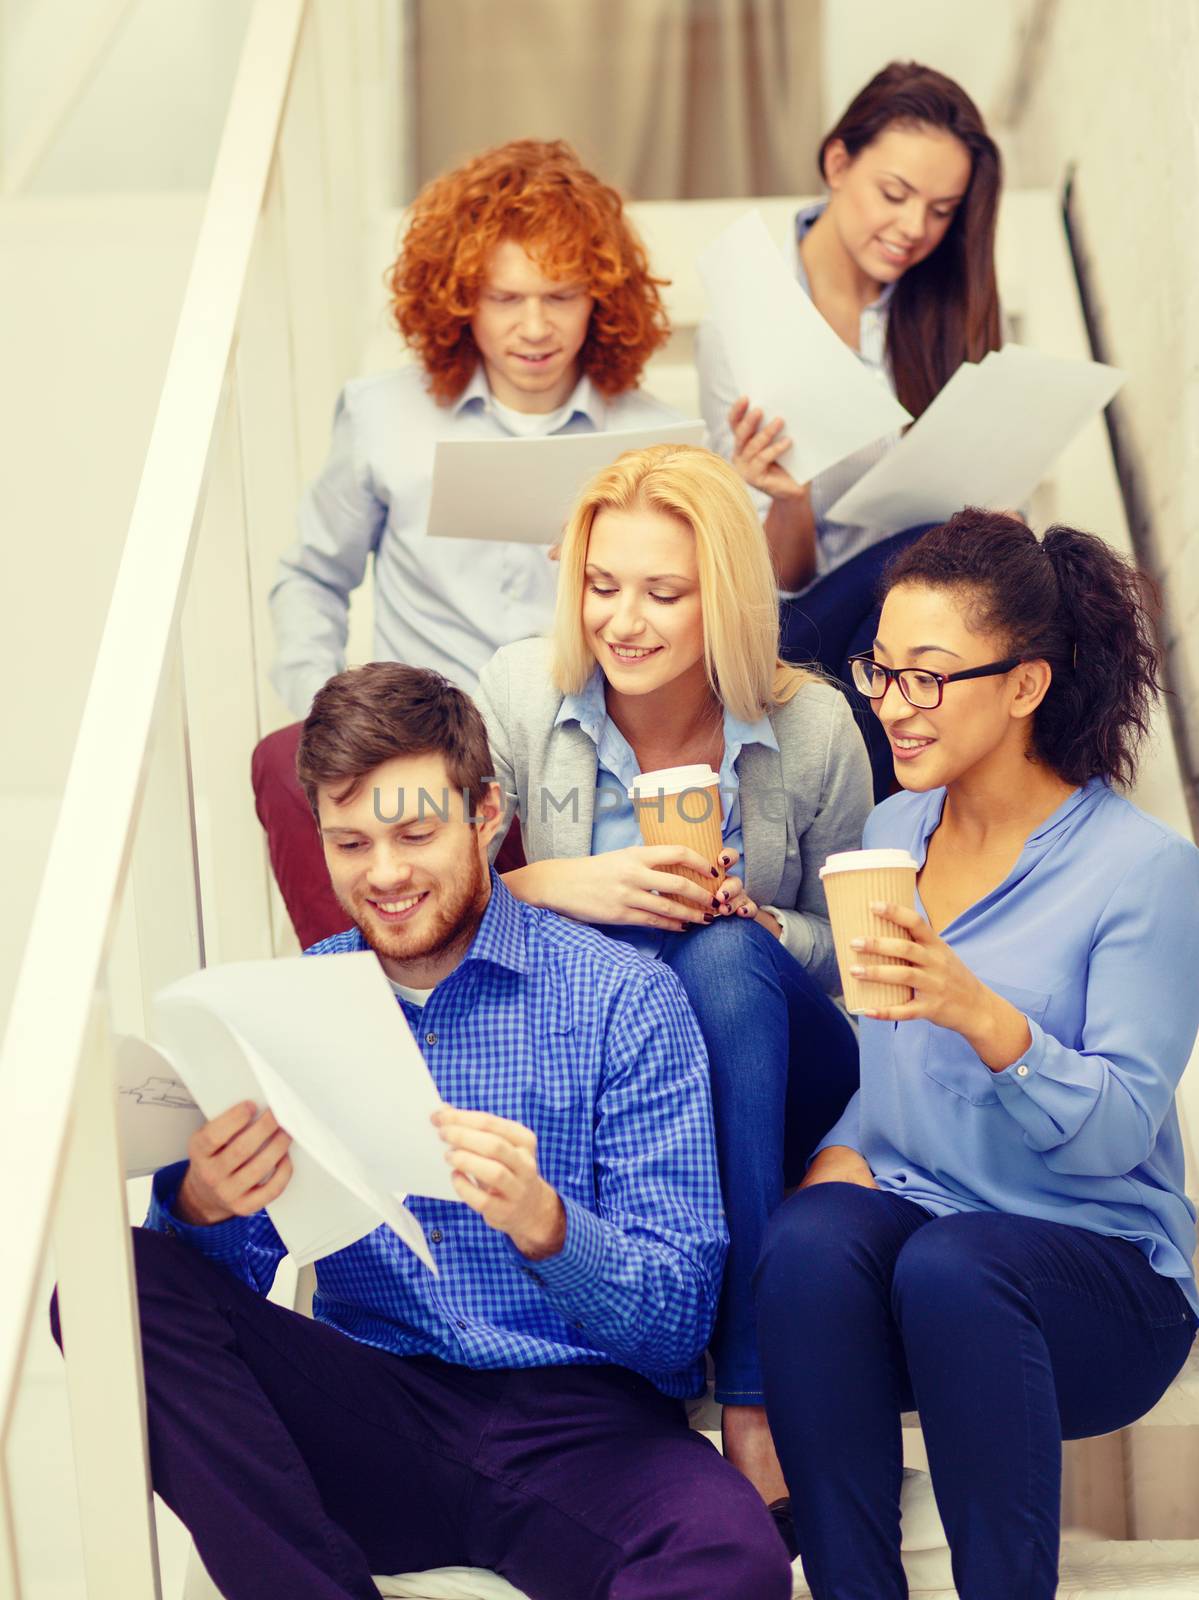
x,y
784,1063
837,618
1009,1334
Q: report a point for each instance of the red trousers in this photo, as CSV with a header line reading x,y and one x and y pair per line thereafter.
x,y
297,856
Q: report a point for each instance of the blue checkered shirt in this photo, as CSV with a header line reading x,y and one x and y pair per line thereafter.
x,y
595,1048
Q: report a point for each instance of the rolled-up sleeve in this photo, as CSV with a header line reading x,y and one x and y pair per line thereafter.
x,y
340,519
1096,1109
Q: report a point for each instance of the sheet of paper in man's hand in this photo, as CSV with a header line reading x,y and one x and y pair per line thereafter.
x,y
321,1041
523,490
784,356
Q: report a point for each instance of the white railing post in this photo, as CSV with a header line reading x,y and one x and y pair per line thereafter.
x,y
101,1339
222,712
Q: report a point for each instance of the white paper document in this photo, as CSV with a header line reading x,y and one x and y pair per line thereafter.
x,y
987,440
523,490
786,358
325,1046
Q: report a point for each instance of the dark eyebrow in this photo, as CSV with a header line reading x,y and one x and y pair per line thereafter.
x,y
920,650
945,200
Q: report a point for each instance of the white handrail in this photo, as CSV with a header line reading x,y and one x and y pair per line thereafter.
x,y
92,847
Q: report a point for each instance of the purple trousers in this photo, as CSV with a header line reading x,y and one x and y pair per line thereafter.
x,y
303,1461
297,858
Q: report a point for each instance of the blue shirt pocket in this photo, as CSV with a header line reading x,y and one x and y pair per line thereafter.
x,y
953,1063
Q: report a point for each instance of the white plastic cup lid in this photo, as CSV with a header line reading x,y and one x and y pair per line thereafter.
x,y
672,780
865,860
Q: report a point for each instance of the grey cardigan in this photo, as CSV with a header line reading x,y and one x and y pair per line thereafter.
x,y
798,804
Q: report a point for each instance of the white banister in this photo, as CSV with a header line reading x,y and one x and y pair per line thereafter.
x,y
157,862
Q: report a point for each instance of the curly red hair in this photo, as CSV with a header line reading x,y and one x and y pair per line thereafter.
x,y
540,195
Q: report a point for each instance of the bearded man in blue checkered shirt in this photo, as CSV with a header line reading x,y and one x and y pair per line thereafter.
x,y
523,1409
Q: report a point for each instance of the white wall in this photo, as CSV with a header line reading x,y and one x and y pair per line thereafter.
x,y
151,117
973,41
1114,95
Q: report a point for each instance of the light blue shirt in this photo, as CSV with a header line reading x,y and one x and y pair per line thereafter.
x,y
448,604
1092,935
836,542
615,826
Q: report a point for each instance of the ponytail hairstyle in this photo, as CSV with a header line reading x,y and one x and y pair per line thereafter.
x,y
1067,599
944,309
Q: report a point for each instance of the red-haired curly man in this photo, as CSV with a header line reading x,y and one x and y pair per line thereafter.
x,y
527,298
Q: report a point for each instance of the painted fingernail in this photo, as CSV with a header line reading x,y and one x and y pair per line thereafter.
x,y
715,903
878,907
857,972
708,919
715,874
857,944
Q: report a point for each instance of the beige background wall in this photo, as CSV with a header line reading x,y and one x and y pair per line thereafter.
x,y
1112,91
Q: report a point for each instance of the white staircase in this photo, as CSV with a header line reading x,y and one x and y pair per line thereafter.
x,y
255,430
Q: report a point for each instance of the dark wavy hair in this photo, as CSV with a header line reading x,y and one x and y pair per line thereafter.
x,y
1067,599
945,309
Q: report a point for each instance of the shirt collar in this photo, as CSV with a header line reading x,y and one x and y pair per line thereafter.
x,y
804,221
928,817
499,938
590,711
584,400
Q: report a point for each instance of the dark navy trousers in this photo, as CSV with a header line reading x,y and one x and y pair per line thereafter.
x,y
1007,1333
303,1461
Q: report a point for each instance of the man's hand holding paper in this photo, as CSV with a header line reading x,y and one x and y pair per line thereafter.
x,y
237,1165
494,1166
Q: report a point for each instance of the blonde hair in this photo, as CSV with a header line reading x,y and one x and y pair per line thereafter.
x,y
738,592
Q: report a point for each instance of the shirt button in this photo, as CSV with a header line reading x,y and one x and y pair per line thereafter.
x,y
1022,1071
459,1322
436,1236
430,1038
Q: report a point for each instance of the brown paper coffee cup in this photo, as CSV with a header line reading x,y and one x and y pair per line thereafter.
x,y
681,805
852,879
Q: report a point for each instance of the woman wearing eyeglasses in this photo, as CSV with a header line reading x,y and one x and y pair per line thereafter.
x,y
996,1231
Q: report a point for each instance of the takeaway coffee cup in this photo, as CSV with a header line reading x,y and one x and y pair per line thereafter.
x,y
852,879
681,805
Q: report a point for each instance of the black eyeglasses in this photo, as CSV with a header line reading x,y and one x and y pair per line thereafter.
x,y
919,687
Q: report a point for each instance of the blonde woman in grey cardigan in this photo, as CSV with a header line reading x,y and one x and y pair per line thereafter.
x,y
665,653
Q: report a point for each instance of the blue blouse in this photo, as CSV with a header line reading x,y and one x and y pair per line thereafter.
x,y
615,825
1092,935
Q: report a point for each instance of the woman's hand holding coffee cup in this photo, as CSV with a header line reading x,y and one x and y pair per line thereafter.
x,y
944,990
627,887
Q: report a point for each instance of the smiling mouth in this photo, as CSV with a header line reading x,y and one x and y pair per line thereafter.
x,y
538,360
895,252
906,748
630,652
397,910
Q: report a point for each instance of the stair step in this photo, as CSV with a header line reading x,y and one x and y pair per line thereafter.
x,y
1119,1569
